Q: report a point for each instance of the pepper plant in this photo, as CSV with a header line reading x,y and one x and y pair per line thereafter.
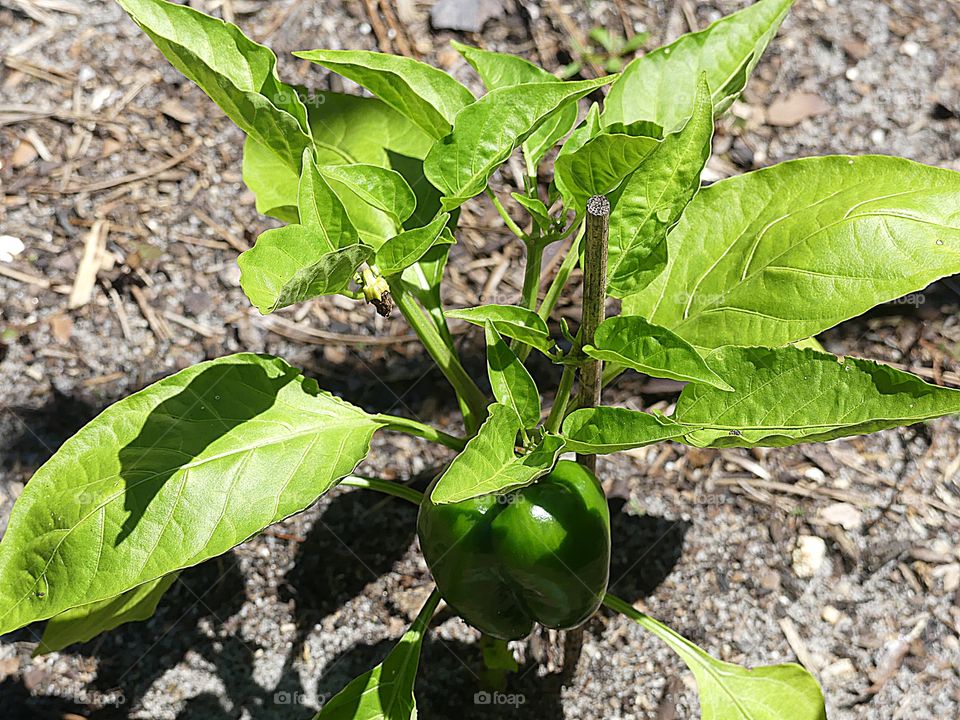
x,y
721,287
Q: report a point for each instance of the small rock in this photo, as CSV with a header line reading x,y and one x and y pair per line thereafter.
x,y
950,575
464,15
62,328
878,136
10,247
855,48
8,667
910,48
809,555
830,614
34,678
196,302
230,275
842,669
770,581
795,108
843,514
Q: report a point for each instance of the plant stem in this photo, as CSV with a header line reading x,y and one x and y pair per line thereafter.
x,y
448,362
384,486
419,429
508,221
594,298
559,409
531,275
559,281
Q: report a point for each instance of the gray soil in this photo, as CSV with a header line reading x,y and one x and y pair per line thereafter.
x,y
704,540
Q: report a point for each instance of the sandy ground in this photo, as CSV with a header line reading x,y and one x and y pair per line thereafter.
x,y
704,539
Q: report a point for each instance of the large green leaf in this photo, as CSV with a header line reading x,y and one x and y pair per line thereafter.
x,y
653,350
498,70
599,166
382,188
427,96
405,249
652,200
513,321
660,85
320,209
171,476
346,130
272,181
386,691
486,132
511,382
602,430
788,395
83,623
489,463
292,264
238,74
731,692
781,254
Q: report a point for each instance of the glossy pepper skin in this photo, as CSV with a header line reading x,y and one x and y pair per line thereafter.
x,y
539,554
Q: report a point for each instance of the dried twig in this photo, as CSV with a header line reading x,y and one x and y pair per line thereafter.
x,y
156,323
94,249
126,179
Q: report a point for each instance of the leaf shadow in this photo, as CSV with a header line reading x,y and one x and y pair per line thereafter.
x,y
185,425
645,550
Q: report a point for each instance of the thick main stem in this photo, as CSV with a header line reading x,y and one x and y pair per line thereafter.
x,y
446,359
594,298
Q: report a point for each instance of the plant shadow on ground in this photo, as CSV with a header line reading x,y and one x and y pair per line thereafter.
x,y
335,563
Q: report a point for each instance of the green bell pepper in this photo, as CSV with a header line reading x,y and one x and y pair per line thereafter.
x,y
538,554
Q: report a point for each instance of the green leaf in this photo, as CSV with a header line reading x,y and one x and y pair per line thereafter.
x,y
486,132
82,624
602,430
538,211
653,350
652,200
402,251
499,70
659,85
511,382
292,264
427,96
386,691
346,130
731,692
238,74
599,166
788,395
384,189
512,321
781,254
272,181
489,464
589,128
175,474
321,210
